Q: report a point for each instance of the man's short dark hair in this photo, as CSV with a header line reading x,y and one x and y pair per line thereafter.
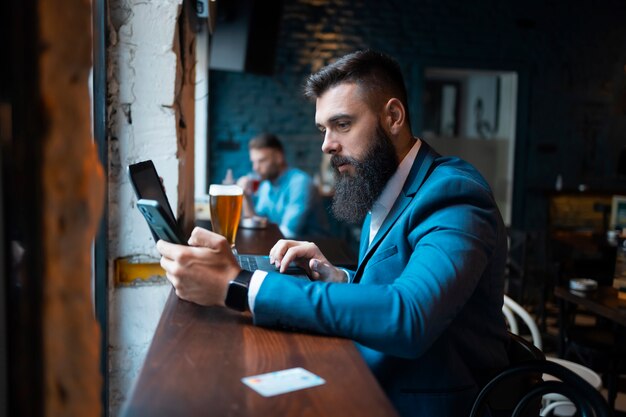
x,y
266,140
377,74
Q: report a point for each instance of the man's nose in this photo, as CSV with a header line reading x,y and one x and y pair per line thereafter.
x,y
330,146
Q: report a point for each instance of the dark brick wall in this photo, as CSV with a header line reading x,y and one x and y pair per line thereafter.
x,y
570,57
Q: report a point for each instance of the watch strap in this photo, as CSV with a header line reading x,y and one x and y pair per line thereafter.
x,y
244,276
237,294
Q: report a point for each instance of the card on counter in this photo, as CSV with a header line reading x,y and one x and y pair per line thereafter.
x,y
280,382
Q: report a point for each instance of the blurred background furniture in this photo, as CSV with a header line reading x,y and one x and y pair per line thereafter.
x,y
530,275
577,226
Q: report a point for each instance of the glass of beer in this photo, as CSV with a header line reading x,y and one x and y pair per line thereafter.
x,y
225,205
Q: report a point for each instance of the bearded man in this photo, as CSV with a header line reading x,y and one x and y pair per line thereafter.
x,y
424,305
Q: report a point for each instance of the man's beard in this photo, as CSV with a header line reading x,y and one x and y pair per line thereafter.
x,y
355,194
272,173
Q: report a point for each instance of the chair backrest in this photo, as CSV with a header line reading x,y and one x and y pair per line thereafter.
x,y
511,310
503,398
521,350
588,401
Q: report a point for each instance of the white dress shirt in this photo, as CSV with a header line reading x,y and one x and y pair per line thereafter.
x,y
390,193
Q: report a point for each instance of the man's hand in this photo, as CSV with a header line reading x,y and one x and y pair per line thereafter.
x,y
247,206
243,183
308,257
201,271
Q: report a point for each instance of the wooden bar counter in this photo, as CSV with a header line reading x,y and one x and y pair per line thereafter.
x,y
198,356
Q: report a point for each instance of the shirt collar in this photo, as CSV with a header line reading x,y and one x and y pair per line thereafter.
x,y
390,193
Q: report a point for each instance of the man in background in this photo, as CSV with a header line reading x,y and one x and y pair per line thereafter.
x,y
286,196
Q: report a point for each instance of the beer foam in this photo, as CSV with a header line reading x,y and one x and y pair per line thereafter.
x,y
220,189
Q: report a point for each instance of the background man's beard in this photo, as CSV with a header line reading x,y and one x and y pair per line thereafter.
x,y
272,173
355,195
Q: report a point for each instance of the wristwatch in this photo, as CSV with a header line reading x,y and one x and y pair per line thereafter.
x,y
237,295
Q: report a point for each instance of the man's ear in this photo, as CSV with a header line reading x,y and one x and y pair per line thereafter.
x,y
395,115
279,157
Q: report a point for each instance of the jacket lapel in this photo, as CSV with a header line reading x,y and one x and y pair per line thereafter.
x,y
419,171
365,236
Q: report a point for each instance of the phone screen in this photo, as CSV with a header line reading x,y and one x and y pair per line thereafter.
x,y
147,185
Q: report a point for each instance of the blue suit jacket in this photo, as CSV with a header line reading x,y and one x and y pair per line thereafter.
x,y
424,305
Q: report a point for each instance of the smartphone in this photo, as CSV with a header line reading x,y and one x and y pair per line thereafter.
x,y
147,185
160,224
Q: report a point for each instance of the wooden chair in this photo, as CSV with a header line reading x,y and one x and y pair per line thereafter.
x,y
501,399
588,401
512,311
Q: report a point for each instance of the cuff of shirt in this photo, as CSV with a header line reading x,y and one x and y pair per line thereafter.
x,y
345,271
253,288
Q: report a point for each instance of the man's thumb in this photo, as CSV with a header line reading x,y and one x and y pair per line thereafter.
x,y
203,237
324,270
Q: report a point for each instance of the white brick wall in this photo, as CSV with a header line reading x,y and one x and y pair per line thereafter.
x,y
144,79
